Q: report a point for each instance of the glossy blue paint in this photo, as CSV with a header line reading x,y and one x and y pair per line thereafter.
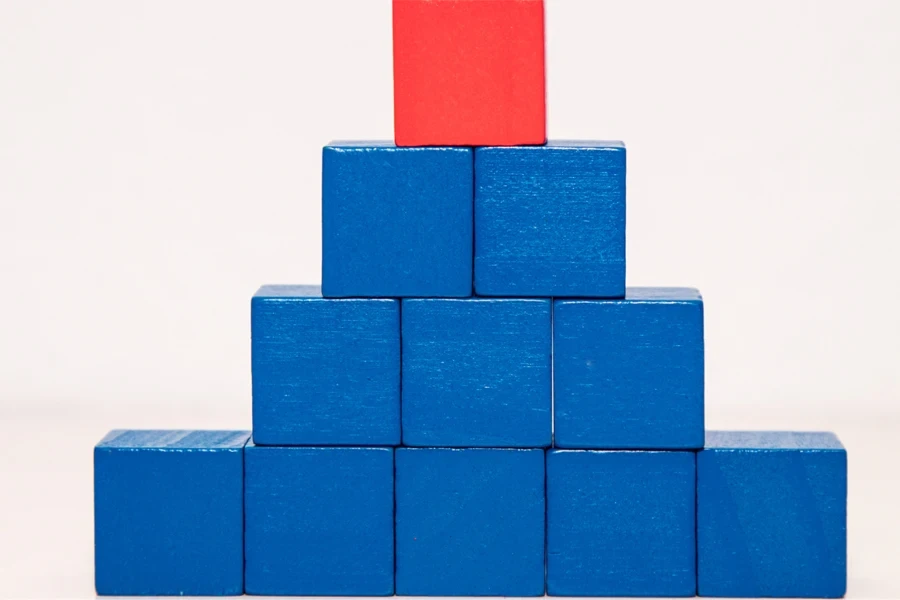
x,y
550,220
396,222
620,523
772,515
629,372
470,522
168,513
325,371
476,372
319,521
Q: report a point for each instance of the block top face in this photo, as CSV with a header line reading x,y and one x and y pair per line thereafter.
x,y
570,145
772,440
655,295
177,439
314,450
386,146
305,292
289,291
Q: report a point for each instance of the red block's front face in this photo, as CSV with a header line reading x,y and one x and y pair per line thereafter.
x,y
469,72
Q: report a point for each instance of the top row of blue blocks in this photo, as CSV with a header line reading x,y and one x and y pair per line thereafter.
x,y
527,221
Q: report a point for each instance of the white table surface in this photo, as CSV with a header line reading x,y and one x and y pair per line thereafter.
x,y
46,519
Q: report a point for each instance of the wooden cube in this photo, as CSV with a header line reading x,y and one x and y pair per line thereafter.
x,y
620,523
469,73
325,371
319,521
470,522
629,373
550,220
476,372
169,513
772,515
396,222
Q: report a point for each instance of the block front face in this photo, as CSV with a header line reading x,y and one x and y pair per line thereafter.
x,y
319,521
469,73
168,513
396,222
476,372
772,515
550,220
470,522
620,523
325,371
629,373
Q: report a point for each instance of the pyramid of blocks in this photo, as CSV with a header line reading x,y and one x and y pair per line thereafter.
x,y
473,403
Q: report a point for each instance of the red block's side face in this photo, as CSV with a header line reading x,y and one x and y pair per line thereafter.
x,y
469,72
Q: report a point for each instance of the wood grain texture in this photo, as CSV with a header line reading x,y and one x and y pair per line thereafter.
x,y
168,513
325,371
396,222
620,523
469,73
550,220
470,522
319,521
629,373
476,372
772,515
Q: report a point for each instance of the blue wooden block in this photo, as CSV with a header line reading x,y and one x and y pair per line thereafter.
x,y
325,371
396,222
169,513
470,522
550,220
620,523
319,521
629,373
476,372
772,515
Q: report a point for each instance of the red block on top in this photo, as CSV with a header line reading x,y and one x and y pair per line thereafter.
x,y
469,72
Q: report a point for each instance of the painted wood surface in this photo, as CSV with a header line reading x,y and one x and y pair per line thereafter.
x,y
470,522
550,220
325,371
469,73
319,521
168,513
396,222
476,372
620,523
772,515
629,373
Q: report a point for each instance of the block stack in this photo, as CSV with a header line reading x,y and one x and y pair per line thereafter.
x,y
473,403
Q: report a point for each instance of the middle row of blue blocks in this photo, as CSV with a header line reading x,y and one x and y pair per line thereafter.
x,y
536,221
478,372
199,513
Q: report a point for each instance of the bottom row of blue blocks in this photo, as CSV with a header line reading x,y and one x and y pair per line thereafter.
x,y
210,513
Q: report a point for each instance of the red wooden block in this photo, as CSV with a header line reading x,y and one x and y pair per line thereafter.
x,y
469,72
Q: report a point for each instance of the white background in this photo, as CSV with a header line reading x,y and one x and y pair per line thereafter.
x,y
160,159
